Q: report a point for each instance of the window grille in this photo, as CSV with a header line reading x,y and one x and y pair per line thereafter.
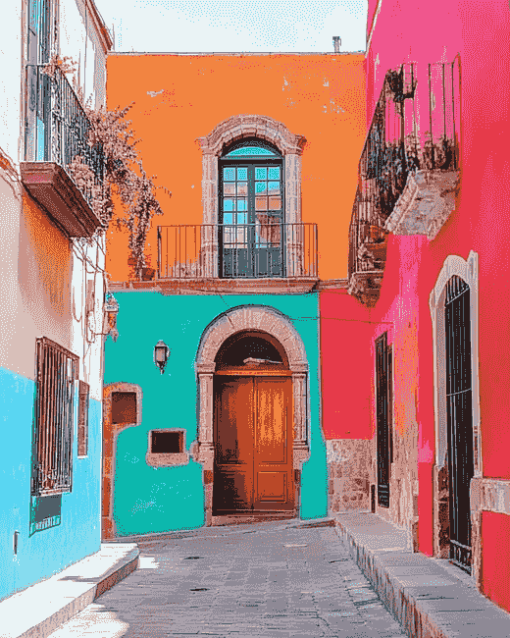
x,y
384,403
459,403
83,418
56,373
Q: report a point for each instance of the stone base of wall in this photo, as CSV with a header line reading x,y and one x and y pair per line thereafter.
x,y
350,474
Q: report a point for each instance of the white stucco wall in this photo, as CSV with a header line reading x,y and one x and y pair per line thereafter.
x,y
32,302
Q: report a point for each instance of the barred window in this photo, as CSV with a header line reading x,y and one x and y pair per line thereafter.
x,y
83,418
56,372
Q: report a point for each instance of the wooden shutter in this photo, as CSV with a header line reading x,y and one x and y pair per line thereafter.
x,y
83,418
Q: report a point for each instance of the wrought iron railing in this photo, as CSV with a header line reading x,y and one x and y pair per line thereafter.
x,y
260,250
57,127
415,127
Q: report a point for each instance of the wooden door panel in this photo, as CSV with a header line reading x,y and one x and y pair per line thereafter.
x,y
234,420
253,433
233,489
272,487
271,433
273,445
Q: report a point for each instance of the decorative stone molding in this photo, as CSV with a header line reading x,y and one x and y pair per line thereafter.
x,y
276,286
261,127
425,204
468,271
248,319
167,459
110,433
486,495
366,286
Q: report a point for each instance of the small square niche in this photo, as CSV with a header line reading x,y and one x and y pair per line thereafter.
x,y
167,447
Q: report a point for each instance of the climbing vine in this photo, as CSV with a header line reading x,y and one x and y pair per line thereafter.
x,y
112,139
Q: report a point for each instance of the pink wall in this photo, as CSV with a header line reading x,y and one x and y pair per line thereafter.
x,y
346,367
427,32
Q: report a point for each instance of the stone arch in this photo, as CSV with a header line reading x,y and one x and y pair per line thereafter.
x,y
468,272
241,319
262,127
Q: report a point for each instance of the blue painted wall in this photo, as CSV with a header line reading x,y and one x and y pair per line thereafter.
x,y
148,499
46,552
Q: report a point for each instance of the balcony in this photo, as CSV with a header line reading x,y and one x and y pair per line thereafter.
x,y
409,169
241,258
56,132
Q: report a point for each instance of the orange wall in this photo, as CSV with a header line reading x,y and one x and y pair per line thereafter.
x,y
179,98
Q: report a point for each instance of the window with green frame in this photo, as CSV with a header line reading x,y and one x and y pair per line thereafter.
x,y
251,210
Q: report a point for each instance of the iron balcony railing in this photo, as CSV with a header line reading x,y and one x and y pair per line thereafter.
x,y
415,127
57,127
260,250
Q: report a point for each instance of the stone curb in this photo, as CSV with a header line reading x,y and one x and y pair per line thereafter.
x,y
39,610
222,530
428,598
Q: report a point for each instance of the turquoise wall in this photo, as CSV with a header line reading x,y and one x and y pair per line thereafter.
x,y
42,553
148,499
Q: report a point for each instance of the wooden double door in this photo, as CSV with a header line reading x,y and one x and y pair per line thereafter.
x,y
253,471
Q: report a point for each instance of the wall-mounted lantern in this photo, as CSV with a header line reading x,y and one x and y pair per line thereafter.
x,y
161,354
111,308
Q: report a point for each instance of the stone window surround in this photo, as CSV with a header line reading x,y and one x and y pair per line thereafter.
x,y
262,319
231,130
468,271
170,459
110,434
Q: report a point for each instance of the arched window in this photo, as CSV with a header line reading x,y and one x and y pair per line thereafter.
x,y
251,210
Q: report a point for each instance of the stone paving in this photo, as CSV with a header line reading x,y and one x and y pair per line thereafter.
x,y
261,580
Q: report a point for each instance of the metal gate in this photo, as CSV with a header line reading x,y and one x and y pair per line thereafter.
x,y
384,384
460,418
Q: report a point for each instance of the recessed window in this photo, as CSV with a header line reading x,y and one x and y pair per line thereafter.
x,y
166,442
167,447
124,407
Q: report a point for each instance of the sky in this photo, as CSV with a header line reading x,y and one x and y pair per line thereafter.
x,y
226,26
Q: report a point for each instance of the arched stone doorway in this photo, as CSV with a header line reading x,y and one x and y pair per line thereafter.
x,y
255,325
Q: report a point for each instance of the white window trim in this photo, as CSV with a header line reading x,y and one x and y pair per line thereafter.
x,y
468,271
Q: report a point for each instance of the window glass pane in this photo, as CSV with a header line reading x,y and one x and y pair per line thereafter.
x,y
228,204
260,173
250,150
228,218
242,204
274,172
242,218
229,174
242,188
229,189
274,188
261,203
260,187
242,174
275,203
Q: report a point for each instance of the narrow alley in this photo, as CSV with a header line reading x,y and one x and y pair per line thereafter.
x,y
268,579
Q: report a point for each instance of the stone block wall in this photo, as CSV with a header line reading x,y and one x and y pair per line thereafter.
x,y
349,474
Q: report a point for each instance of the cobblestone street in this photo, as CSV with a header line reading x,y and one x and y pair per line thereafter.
x,y
266,580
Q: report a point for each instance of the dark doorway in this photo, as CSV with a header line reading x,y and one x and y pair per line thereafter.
x,y
384,401
459,401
